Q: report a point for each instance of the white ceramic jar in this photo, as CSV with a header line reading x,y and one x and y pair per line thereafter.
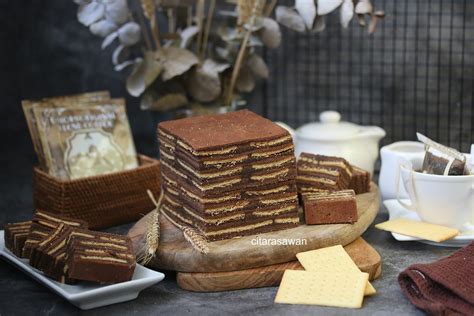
x,y
333,137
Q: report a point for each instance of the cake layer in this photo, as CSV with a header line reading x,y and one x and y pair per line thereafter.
x,y
233,196
302,189
36,234
245,207
319,182
37,251
323,172
108,267
15,236
264,226
330,208
170,185
227,160
230,184
246,172
105,258
272,146
204,135
53,259
41,215
360,181
240,204
43,223
246,163
330,196
307,159
228,163
237,219
323,177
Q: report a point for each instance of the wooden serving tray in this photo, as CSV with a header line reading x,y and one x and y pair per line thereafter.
x,y
175,253
365,257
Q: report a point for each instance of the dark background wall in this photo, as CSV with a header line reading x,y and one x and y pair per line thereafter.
x,y
44,52
414,73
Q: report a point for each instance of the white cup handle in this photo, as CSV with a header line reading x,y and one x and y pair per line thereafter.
x,y
412,205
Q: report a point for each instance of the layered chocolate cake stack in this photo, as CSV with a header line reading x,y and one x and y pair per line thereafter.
x,y
322,173
228,175
65,251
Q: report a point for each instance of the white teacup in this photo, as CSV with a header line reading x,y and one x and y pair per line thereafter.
x,y
442,200
391,156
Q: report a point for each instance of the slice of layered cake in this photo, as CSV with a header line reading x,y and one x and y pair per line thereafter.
x,y
53,259
228,175
105,258
15,236
71,254
64,250
43,224
38,250
334,207
360,181
322,173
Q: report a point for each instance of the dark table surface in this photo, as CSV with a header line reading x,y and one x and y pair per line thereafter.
x,y
19,294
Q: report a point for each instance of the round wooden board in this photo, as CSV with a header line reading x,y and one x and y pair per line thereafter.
x,y
176,254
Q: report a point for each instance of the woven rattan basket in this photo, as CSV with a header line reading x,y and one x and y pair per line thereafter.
x,y
103,201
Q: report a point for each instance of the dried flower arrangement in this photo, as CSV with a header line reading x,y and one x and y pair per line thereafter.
x,y
206,56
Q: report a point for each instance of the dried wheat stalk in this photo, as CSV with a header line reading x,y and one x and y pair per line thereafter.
x,y
207,29
243,48
189,16
148,8
269,8
143,28
192,236
152,237
246,9
200,18
171,20
195,239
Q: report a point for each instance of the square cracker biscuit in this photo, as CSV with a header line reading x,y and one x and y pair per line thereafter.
x,y
403,226
331,260
322,288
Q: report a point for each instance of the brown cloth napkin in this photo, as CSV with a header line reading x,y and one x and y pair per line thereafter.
x,y
444,287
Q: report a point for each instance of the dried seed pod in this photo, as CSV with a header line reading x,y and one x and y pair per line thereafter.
x,y
379,13
245,8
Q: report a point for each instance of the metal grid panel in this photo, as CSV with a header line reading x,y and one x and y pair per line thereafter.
x,y
414,74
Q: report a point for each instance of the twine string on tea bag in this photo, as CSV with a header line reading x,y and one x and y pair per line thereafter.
x,y
152,236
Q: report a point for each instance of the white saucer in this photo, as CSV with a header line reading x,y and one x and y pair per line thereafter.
x,y
87,295
396,210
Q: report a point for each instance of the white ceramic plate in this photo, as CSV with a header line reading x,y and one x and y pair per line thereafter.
x,y
87,295
396,210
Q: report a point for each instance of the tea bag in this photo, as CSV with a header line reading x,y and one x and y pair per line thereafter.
x,y
69,100
440,159
83,141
